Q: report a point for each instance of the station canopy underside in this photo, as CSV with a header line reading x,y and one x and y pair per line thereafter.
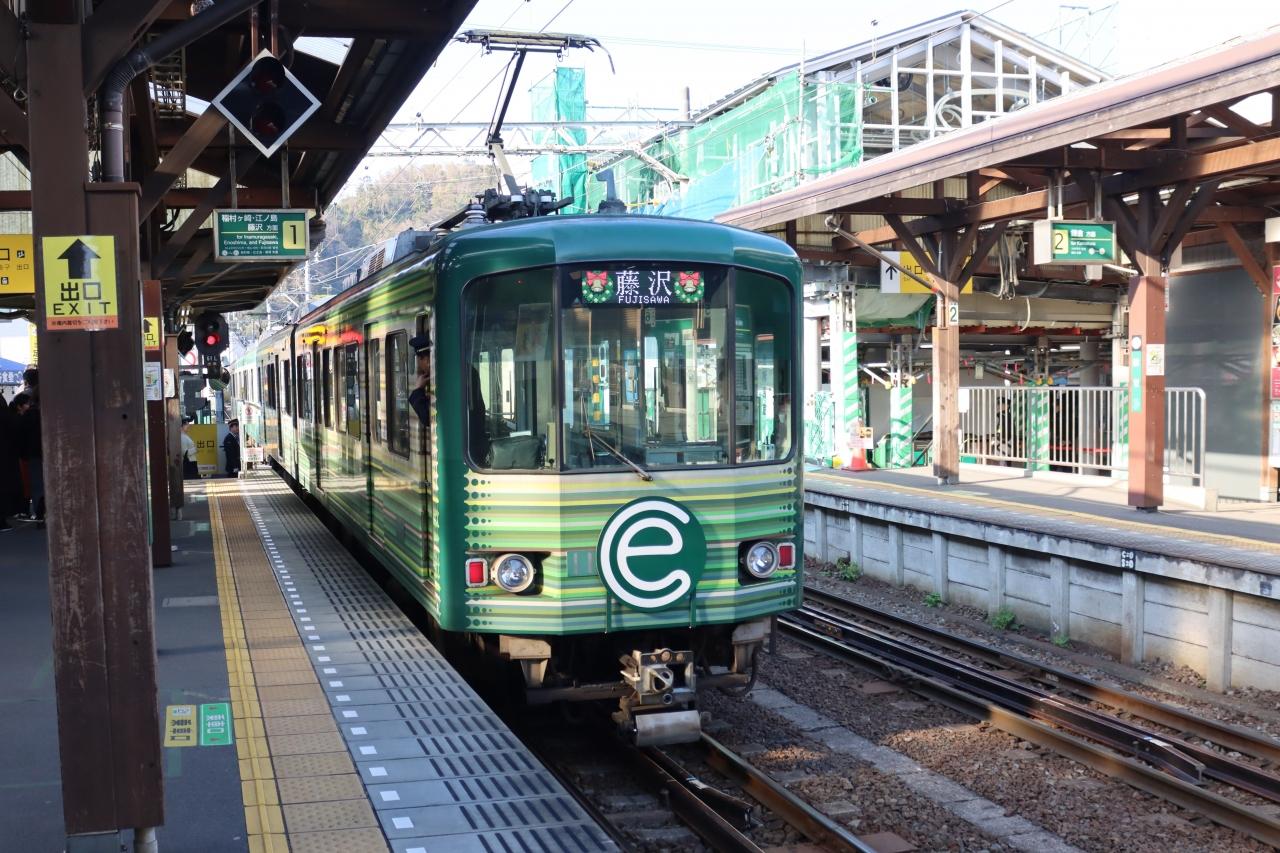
x,y
1184,155
360,60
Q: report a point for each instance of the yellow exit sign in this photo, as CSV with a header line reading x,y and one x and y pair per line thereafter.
x,y
17,270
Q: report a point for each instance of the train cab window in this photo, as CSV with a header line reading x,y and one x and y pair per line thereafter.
x,y
326,388
763,324
644,352
377,394
351,388
398,377
509,381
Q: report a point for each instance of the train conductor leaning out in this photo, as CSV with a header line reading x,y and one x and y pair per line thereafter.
x,y
418,396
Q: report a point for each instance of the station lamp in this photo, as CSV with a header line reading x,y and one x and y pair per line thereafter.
x,y
266,103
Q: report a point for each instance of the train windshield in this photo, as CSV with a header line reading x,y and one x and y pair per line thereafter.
x,y
658,367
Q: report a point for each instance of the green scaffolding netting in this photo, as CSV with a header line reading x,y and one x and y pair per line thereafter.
x,y
768,143
561,97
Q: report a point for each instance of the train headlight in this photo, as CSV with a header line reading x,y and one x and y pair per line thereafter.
x,y
761,560
513,572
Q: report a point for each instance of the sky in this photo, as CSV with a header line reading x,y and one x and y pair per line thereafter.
x,y
716,46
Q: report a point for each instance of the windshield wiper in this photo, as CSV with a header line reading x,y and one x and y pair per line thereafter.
x,y
640,472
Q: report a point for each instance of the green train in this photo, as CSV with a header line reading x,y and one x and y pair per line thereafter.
x,y
609,478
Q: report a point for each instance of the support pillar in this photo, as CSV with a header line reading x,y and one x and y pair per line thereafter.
x,y
1221,622
1133,610
93,418
157,435
849,416
900,419
946,387
995,580
1146,391
173,427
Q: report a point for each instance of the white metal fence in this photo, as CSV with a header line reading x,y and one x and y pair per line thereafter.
x,y
1078,430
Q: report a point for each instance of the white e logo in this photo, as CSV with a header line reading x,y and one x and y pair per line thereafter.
x,y
651,553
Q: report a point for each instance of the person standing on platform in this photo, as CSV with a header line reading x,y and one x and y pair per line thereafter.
x,y
231,447
418,396
190,467
10,466
27,426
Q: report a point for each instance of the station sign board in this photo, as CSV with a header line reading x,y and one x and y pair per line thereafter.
x,y
17,264
1068,241
241,235
893,281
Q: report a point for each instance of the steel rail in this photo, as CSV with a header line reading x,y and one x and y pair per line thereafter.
x,y
1010,695
1257,780
1118,766
697,813
816,826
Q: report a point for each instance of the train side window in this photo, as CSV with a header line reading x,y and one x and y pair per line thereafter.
x,y
304,386
339,389
287,384
351,388
377,396
398,393
326,389
271,387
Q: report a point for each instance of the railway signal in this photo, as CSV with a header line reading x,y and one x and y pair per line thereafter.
x,y
266,103
211,334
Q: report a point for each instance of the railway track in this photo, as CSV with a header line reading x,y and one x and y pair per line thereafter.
x,y
1058,710
721,820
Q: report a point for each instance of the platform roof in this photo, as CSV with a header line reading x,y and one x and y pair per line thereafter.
x,y
360,59
1176,130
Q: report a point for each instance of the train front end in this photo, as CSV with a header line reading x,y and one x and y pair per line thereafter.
x,y
629,491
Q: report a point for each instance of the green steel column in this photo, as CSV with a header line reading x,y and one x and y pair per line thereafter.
x,y
900,427
1120,435
849,417
1038,430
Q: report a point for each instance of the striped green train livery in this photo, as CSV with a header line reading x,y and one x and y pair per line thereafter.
x,y
608,466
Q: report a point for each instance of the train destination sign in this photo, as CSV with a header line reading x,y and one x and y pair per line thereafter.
x,y
1066,241
642,287
243,235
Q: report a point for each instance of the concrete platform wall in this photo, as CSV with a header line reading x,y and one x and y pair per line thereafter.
x,y
1139,606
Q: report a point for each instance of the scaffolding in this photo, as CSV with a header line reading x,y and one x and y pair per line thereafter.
x,y
793,128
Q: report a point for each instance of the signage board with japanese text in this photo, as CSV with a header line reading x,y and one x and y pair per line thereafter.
x,y
80,283
17,264
152,337
1066,241
893,281
642,287
241,236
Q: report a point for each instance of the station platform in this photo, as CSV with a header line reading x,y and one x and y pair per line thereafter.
x,y
348,730
1070,559
1238,534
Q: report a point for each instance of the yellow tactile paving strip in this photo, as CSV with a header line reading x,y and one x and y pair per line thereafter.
x,y
1243,543
301,792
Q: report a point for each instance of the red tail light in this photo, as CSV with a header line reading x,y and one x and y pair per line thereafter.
x,y
477,571
786,555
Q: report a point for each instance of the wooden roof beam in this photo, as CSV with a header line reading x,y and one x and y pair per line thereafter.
x,y
113,30
1261,279
210,123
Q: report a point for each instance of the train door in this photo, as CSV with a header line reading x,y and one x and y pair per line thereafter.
x,y
425,452
278,402
372,353
315,380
